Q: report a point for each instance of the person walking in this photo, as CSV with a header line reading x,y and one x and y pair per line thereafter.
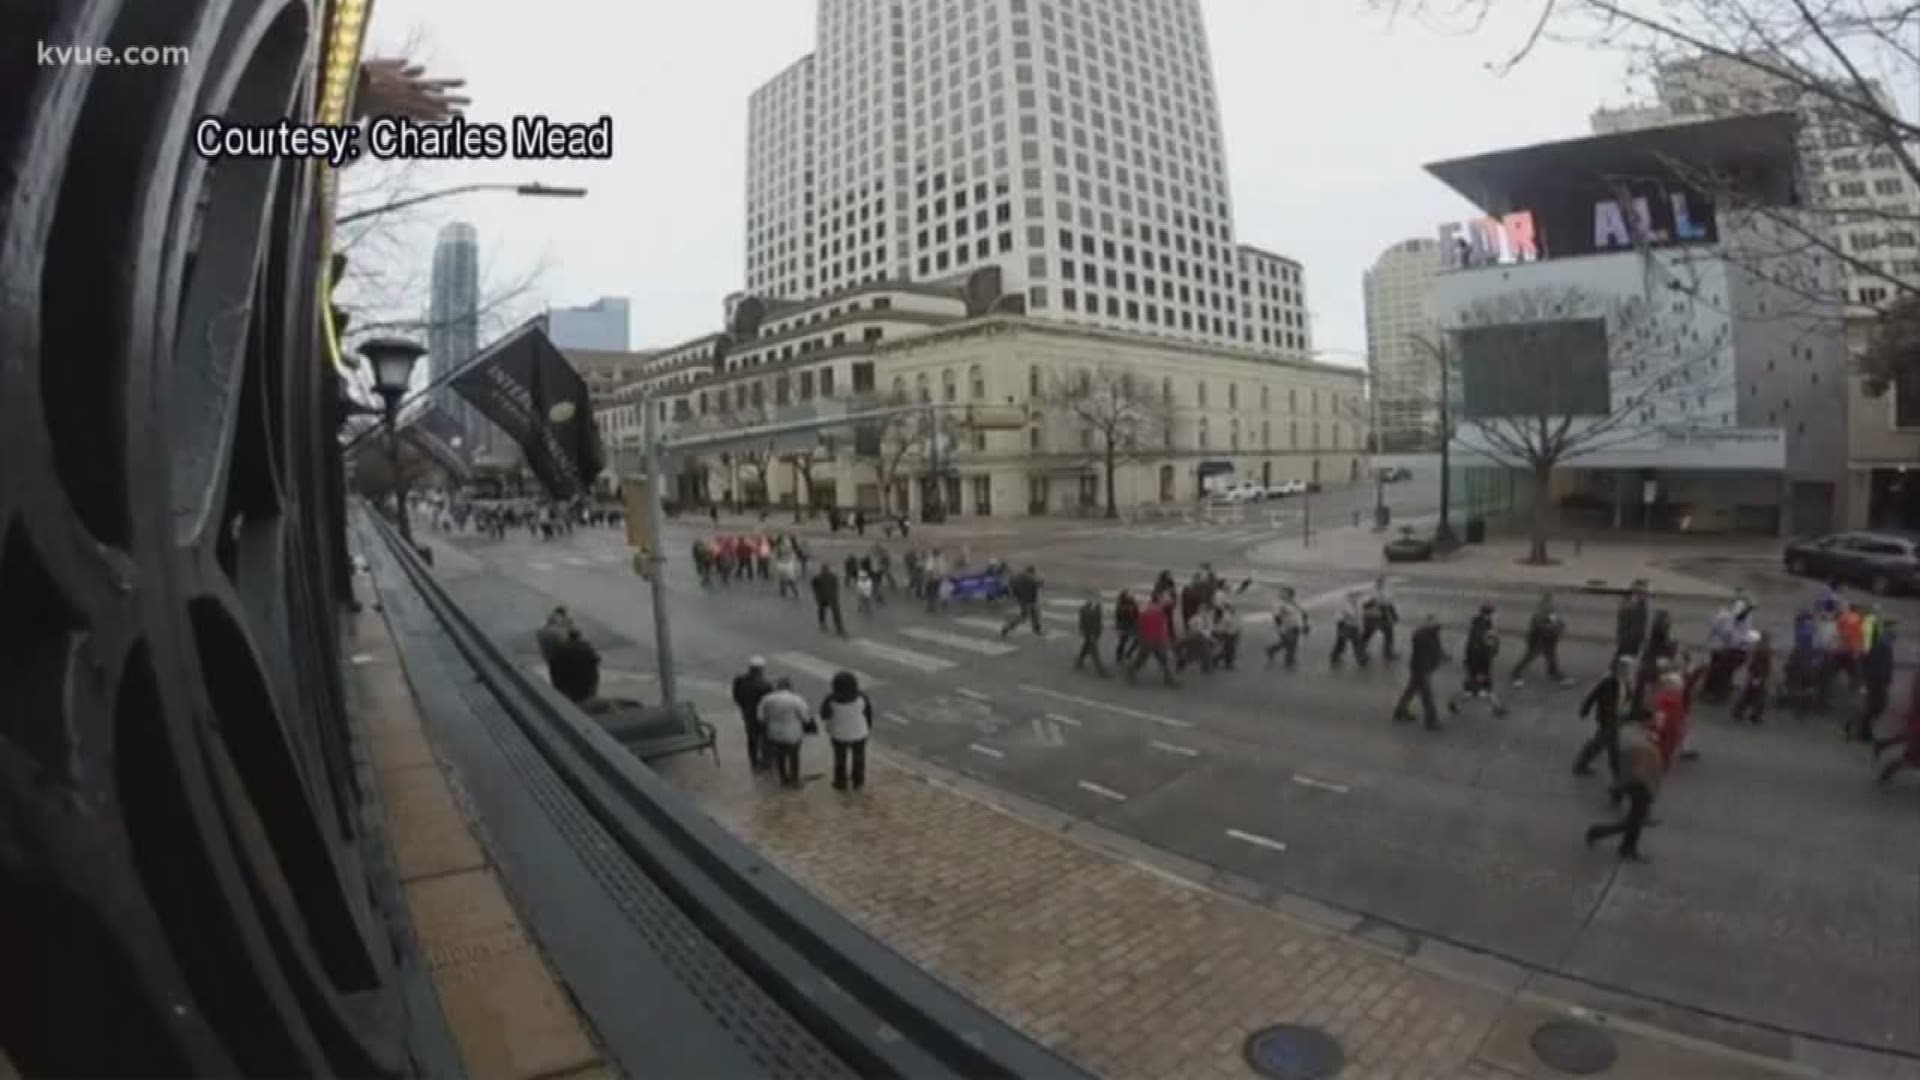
x,y
1483,645
1425,654
1852,630
1346,633
1090,637
1290,625
749,688
935,575
863,588
786,569
1543,640
848,714
1631,622
826,599
1155,641
1607,703
1750,703
551,635
1378,615
786,719
1876,671
574,668
1642,768
1126,623
1025,589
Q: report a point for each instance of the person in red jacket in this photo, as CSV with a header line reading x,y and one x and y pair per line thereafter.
x,y
1672,706
1908,739
1154,638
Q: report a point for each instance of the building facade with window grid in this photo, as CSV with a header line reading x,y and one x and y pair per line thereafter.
x,y
1405,375
1869,205
1075,144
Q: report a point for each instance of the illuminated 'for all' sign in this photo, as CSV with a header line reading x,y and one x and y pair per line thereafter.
x,y
1489,241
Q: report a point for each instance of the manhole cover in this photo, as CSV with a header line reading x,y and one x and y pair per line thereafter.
x,y
1295,1052
1574,1047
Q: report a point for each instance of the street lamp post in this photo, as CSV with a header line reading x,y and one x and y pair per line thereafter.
x,y
535,190
392,360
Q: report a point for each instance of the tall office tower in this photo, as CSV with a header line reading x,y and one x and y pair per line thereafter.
x,y
780,193
1075,144
453,321
1406,378
601,325
1866,201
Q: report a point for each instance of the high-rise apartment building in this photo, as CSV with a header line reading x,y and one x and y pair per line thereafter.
x,y
1847,171
1075,144
453,321
1405,376
600,326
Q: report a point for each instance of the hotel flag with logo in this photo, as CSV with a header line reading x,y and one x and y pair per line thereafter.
x,y
522,383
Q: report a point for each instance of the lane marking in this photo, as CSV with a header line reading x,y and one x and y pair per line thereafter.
x,y
362,658
575,560
1105,793
897,718
903,657
1184,751
1093,704
1062,718
1323,785
974,694
823,670
987,750
959,641
1047,733
540,567
1257,840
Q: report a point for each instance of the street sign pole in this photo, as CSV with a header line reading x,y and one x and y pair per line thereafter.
x,y
656,557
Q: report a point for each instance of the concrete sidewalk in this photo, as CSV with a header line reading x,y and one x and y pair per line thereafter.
x,y
1121,959
1581,564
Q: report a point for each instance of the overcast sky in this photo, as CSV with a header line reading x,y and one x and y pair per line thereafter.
x,y
1330,112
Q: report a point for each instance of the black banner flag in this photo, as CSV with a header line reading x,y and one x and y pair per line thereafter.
x,y
522,383
440,438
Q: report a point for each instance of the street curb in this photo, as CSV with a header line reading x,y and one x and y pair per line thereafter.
x,y
1516,982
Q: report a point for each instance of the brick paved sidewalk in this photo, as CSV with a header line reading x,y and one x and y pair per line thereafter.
x,y
1124,968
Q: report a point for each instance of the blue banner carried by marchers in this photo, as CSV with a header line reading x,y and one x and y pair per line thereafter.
x,y
522,383
428,427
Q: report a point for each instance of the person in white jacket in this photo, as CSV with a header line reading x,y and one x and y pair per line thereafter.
x,y
848,713
786,718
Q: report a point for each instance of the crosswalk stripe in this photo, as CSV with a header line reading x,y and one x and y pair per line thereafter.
x,y
979,622
574,560
1062,602
807,664
540,567
959,641
903,657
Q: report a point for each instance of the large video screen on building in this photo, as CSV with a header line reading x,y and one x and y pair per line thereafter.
x,y
1556,368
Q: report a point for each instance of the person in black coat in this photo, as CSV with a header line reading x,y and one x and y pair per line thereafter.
x,y
1090,627
1876,669
1608,703
574,668
748,688
1425,654
1025,589
826,598
1630,625
1483,644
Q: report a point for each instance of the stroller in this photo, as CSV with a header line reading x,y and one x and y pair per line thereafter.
x,y
1803,682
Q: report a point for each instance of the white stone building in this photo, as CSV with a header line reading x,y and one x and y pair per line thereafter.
x,y
1405,376
1211,410
1074,144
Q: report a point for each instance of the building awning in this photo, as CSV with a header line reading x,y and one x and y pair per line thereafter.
x,y
1722,449
1758,149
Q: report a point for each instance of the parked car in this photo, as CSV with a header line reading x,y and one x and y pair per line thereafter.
x,y
1884,562
1407,547
1393,474
1284,488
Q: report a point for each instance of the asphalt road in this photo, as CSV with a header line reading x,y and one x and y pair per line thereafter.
x,y
1785,889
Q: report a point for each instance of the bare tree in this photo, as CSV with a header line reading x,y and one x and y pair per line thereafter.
x,y
1125,415
1548,376
899,446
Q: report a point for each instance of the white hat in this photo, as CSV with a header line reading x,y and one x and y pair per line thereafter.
x,y
758,661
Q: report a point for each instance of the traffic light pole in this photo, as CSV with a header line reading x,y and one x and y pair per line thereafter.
x,y
657,559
